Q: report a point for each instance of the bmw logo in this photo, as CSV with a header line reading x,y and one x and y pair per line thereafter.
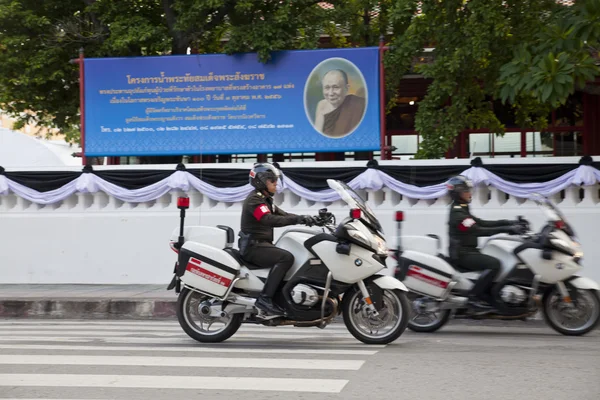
x,y
358,262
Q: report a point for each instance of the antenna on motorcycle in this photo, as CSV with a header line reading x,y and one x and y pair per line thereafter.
x,y
399,220
183,203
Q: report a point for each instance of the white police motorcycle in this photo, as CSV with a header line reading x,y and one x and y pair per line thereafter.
x,y
538,273
335,272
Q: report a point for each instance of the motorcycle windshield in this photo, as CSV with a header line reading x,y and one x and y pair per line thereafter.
x,y
552,212
354,200
549,209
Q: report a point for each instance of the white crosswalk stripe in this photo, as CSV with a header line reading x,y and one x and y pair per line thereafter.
x,y
98,360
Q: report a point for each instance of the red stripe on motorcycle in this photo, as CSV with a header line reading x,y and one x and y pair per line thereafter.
x,y
426,278
195,261
210,276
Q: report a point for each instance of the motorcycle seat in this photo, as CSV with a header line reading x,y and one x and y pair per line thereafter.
x,y
235,253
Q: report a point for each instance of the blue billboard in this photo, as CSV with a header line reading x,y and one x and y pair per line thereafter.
x,y
300,101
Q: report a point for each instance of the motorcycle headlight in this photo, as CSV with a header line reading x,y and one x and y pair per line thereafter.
x,y
359,236
564,245
382,248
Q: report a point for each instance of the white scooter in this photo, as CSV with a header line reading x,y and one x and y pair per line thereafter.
x,y
538,273
338,267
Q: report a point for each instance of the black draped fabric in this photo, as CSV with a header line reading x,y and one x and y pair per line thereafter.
x,y
222,178
43,181
536,173
424,175
312,178
134,179
315,179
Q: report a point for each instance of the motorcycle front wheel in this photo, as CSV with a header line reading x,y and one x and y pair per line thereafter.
x,y
382,329
193,314
576,318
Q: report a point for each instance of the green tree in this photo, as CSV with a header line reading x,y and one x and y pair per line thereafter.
x,y
530,53
38,38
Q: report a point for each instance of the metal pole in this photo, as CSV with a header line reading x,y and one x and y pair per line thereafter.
x,y
82,106
382,99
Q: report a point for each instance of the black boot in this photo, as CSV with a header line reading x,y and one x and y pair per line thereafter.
x,y
477,295
265,300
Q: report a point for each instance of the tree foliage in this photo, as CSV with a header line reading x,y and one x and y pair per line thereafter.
x,y
531,54
38,38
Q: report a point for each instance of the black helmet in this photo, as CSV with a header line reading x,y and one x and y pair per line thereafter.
x,y
262,172
457,185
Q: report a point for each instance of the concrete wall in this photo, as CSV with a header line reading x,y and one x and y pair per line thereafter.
x,y
96,239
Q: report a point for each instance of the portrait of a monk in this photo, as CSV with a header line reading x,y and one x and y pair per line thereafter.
x,y
339,112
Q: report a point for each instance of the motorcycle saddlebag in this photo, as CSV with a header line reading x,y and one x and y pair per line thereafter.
x,y
424,273
206,268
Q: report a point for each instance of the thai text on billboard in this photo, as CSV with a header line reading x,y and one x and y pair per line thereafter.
x,y
300,101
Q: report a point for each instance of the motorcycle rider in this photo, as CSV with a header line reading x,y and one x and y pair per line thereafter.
x,y
464,229
259,217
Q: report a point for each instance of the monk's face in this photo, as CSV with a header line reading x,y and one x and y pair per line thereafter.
x,y
334,88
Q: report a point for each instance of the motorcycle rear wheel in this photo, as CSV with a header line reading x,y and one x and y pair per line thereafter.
x,y
189,308
440,318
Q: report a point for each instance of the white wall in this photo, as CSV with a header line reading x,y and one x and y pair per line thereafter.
x,y
93,238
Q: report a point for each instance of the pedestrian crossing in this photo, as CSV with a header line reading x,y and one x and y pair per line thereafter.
x,y
43,359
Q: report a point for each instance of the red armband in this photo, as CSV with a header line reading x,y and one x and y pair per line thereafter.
x,y
466,224
261,211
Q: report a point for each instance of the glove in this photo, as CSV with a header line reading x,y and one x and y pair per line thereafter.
x,y
520,221
307,220
517,229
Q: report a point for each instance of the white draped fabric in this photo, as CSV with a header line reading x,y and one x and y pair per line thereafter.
x,y
372,179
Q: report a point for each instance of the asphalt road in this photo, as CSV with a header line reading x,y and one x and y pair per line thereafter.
x,y
60,359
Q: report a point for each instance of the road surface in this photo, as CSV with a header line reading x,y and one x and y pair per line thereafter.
x,y
63,359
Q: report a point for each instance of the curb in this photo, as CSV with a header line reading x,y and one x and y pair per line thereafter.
x,y
151,309
89,309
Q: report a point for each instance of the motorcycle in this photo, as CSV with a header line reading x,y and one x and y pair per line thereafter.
x,y
538,273
335,272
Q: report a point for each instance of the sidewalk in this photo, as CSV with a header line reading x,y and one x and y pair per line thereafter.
x,y
69,301
87,301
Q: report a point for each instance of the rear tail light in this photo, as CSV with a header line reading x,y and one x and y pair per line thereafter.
x,y
559,224
399,216
172,246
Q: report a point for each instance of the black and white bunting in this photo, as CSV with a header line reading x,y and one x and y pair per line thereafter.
x,y
231,185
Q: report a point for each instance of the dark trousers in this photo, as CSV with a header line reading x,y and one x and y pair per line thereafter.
x,y
475,261
268,256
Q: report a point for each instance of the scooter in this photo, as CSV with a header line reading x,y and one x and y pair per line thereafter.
x,y
335,272
538,274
